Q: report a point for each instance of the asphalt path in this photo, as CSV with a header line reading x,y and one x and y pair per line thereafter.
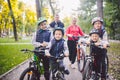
x,y
15,73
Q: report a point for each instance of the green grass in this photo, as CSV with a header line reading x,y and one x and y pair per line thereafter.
x,y
114,60
11,56
12,40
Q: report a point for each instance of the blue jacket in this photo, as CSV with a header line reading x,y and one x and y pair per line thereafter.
x,y
43,35
59,24
57,47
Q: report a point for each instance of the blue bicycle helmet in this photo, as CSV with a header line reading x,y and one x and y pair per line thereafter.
x,y
60,29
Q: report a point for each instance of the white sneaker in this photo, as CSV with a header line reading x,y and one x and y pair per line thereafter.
x,y
73,66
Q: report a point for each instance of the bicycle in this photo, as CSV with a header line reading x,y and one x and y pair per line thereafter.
x,y
80,52
35,69
59,74
88,72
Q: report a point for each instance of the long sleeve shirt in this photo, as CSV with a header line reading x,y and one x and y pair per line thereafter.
x,y
74,30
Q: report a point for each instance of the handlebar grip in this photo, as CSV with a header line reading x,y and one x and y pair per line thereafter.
x,y
24,50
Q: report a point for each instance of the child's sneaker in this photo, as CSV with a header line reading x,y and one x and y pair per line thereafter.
x,y
66,72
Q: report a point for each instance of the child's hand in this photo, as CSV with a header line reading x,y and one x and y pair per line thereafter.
x,y
104,45
48,54
44,44
87,42
97,44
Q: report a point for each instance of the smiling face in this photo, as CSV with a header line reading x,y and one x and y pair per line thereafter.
x,y
43,25
94,37
97,25
58,35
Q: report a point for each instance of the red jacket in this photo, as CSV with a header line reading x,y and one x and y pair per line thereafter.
x,y
75,30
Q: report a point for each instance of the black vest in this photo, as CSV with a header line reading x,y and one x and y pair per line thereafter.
x,y
57,47
43,35
101,32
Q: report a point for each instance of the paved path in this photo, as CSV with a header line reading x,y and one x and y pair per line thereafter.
x,y
15,74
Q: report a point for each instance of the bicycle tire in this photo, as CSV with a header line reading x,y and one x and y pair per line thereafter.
x,y
29,74
81,62
60,76
107,63
87,70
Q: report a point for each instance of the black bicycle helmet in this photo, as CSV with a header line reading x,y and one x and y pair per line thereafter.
x,y
94,31
60,29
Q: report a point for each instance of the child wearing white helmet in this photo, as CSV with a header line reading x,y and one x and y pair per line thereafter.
x,y
97,23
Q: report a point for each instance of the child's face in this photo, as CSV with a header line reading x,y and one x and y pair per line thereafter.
x,y
43,25
94,37
58,35
97,25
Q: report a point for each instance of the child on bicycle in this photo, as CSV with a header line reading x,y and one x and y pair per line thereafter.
x,y
97,23
57,46
40,40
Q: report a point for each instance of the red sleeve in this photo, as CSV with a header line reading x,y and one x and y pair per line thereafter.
x,y
68,30
81,32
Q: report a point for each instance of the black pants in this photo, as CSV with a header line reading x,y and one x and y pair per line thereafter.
x,y
72,50
45,66
99,64
55,66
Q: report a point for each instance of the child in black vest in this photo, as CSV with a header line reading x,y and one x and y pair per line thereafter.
x,y
40,40
56,46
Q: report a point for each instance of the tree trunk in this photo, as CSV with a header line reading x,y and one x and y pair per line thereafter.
x,y
100,8
38,9
14,25
53,11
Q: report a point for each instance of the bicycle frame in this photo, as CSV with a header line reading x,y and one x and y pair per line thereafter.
x,y
38,62
34,71
89,64
59,74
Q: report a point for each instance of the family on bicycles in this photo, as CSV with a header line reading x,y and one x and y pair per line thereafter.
x,y
54,44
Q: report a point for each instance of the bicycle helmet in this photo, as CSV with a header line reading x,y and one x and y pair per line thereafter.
x,y
94,31
60,29
40,20
97,19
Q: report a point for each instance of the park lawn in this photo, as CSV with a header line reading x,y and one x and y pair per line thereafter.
x,y
12,40
11,56
114,60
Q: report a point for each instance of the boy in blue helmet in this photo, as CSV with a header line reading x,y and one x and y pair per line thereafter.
x,y
40,39
56,46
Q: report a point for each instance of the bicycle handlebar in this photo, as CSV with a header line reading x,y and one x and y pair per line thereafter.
x,y
33,51
93,44
58,58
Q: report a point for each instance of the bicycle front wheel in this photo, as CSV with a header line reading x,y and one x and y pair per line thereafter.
x,y
87,70
81,62
60,76
30,74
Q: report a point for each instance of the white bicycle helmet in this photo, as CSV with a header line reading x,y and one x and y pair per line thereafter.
x,y
97,19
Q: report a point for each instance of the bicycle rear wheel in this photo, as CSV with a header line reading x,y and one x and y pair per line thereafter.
x,y
30,74
81,62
